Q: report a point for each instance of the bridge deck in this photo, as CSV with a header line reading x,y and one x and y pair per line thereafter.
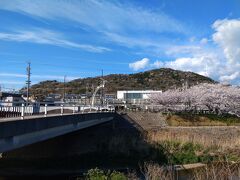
x,y
17,132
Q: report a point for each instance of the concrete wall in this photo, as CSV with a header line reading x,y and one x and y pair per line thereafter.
x,y
18,133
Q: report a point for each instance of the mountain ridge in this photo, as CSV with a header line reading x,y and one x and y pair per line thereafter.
x,y
156,79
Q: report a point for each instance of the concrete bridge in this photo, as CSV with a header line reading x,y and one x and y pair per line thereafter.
x,y
18,132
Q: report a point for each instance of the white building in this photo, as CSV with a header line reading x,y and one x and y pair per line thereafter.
x,y
11,99
137,96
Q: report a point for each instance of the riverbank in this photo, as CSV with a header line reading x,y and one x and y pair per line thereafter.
x,y
151,120
125,145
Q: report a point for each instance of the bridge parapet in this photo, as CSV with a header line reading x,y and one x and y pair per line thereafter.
x,y
22,110
15,133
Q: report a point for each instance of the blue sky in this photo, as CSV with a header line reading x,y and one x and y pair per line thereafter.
x,y
79,38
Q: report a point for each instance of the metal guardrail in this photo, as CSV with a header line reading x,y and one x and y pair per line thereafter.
x,y
22,110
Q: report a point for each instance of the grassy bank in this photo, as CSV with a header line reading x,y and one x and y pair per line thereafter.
x,y
129,151
159,152
163,146
153,171
186,119
150,151
221,137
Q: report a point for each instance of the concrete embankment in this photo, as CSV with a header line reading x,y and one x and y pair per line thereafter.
x,y
148,120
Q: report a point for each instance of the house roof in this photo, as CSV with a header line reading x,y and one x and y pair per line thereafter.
x,y
5,94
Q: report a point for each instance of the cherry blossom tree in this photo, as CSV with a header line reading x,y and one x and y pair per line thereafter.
x,y
214,98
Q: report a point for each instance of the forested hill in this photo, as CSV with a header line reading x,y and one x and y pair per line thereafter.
x,y
158,79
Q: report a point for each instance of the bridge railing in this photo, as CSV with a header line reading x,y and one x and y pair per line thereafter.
x,y
17,109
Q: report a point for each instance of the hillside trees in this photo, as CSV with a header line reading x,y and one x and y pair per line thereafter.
x,y
158,79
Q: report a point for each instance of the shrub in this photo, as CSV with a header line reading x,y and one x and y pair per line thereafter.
x,y
182,153
117,176
98,174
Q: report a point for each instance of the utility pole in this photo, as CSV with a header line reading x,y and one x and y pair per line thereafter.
x,y
92,92
64,84
102,98
86,94
28,82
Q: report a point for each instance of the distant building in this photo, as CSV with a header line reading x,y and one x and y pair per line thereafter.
x,y
11,99
135,96
53,98
110,96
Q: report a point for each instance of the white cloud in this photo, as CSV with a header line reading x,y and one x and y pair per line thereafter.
x,y
231,77
13,75
182,50
38,76
227,36
100,15
141,64
131,41
11,82
192,39
204,41
157,64
115,21
221,63
43,36
206,64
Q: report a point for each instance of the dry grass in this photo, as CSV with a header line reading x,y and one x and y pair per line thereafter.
x,y
221,137
220,171
148,120
175,120
156,172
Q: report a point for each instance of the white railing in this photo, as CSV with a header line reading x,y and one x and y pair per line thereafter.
x,y
23,110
